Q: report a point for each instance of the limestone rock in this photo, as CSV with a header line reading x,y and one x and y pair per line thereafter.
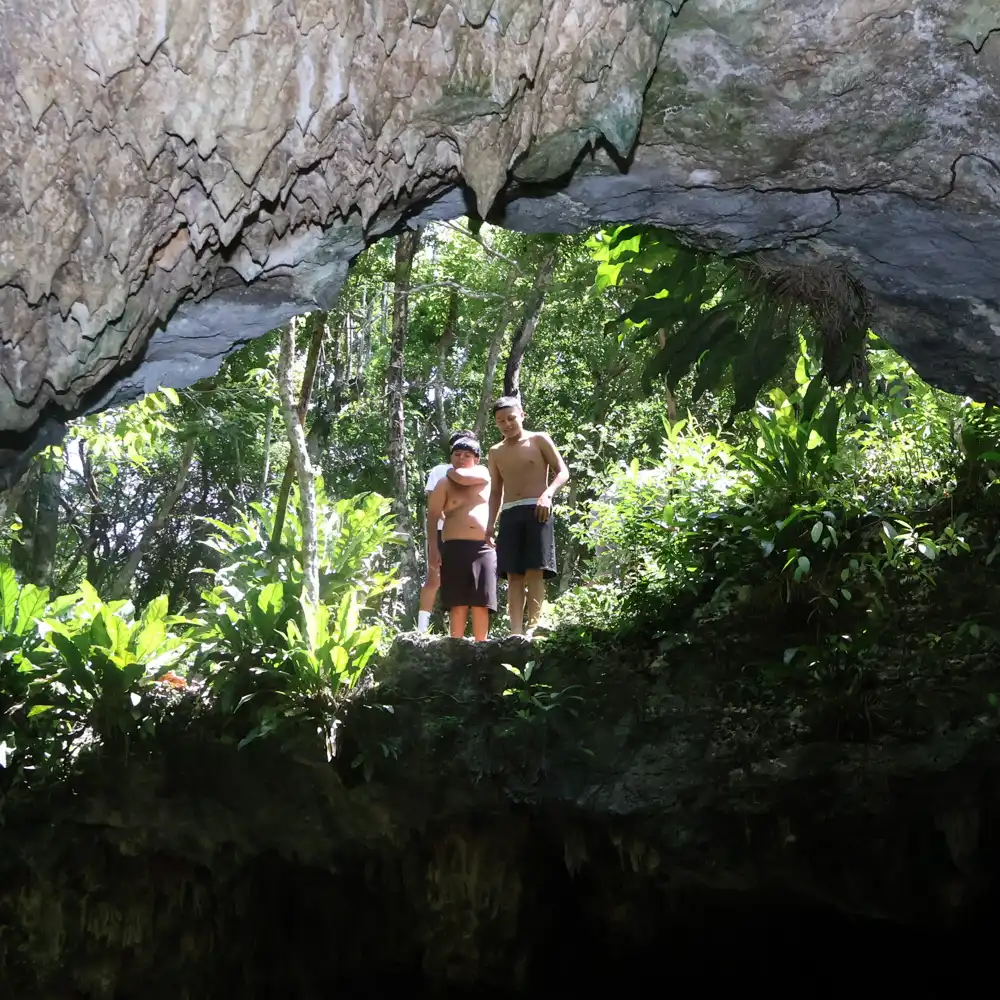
x,y
476,831
177,175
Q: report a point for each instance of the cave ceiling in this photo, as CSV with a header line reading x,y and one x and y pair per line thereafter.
x,y
179,176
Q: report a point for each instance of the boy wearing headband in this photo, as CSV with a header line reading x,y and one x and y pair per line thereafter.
x,y
428,592
467,562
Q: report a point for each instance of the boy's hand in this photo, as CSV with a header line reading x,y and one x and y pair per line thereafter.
x,y
434,558
490,537
543,509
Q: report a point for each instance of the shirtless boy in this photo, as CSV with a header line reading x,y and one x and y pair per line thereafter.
x,y
428,592
526,547
467,563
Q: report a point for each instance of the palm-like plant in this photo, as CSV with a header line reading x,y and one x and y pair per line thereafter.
x,y
736,318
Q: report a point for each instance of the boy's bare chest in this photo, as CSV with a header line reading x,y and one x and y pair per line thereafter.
x,y
459,497
520,460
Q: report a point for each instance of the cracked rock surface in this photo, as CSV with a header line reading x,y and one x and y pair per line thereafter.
x,y
178,175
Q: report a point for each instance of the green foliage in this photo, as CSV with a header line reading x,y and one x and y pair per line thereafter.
x,y
730,320
802,515
78,671
353,536
532,699
272,661
133,433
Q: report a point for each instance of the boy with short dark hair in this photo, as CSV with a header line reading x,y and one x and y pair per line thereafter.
x,y
521,496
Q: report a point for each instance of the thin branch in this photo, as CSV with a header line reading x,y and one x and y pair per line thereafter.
x,y
124,577
478,239
455,286
303,468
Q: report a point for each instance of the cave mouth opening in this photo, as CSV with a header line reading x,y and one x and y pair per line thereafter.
x,y
600,929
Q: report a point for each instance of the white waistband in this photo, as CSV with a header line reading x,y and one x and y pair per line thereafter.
x,y
526,502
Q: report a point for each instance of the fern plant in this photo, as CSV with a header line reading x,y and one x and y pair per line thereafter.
x,y
736,319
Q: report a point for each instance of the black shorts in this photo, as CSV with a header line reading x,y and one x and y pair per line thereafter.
x,y
468,574
525,543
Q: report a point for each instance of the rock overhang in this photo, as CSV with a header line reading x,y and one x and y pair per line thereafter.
x,y
179,177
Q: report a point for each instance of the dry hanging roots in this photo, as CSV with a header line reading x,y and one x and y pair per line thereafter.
x,y
834,299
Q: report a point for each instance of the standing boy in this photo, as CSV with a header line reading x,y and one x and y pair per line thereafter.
x,y
428,592
467,562
522,496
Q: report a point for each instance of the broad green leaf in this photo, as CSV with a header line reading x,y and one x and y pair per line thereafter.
x,y
8,597
156,610
828,423
813,397
62,604
347,615
149,639
271,598
67,648
339,657
30,606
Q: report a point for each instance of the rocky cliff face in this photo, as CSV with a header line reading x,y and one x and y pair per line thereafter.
x,y
178,175
624,813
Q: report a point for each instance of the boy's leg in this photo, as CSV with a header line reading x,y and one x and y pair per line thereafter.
x,y
480,623
428,592
457,618
516,595
540,555
535,581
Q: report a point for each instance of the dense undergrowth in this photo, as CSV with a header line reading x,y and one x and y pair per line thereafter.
x,y
832,535
770,497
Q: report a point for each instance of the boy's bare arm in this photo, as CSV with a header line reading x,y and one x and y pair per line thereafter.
x,y
435,511
555,462
475,476
496,495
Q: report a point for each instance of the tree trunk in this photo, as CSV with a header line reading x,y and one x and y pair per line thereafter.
x,y
97,529
22,543
348,344
266,472
361,361
303,467
124,578
529,320
661,336
47,523
572,561
339,378
198,554
308,377
489,376
406,249
447,340
10,502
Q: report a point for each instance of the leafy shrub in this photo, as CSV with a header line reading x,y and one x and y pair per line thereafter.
x,y
353,534
79,672
780,525
271,660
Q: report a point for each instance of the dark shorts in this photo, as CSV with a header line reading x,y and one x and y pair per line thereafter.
x,y
524,543
468,574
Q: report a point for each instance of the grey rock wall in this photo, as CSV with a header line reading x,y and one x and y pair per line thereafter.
x,y
179,175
